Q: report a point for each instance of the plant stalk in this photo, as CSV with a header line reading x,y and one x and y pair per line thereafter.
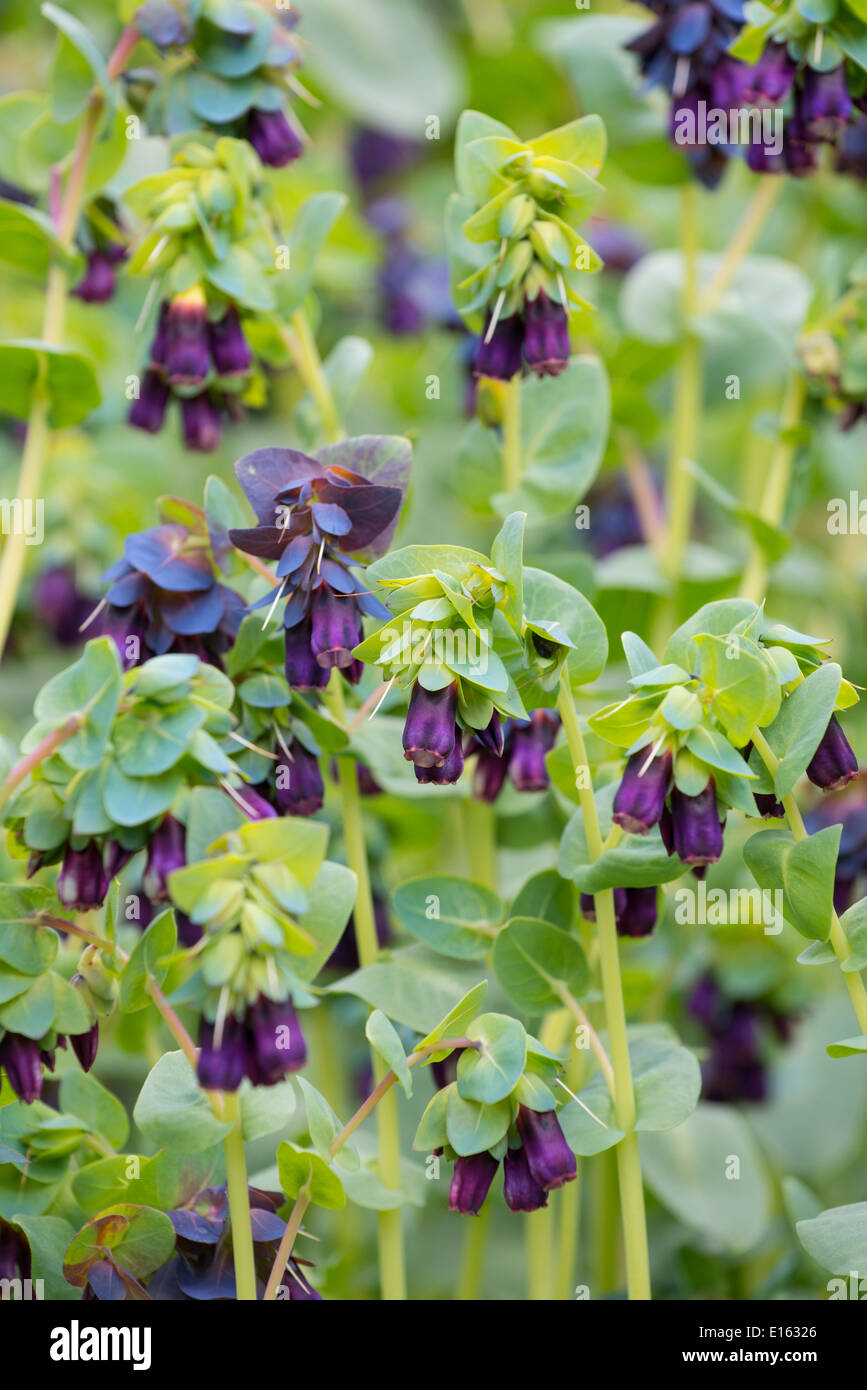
x,y
239,1201
511,442
310,366
628,1160
287,1242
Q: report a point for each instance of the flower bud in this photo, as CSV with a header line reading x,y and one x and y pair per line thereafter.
x,y
471,1182
166,852
85,1046
21,1060
335,627
834,763
639,912
520,1189
546,341
499,355
696,828
185,347
530,743
272,137
449,771
278,1043
550,1160
201,422
303,671
429,730
229,348
640,798
306,790
82,883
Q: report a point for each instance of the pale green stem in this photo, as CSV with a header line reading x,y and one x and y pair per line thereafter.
x,y
837,937
239,1201
511,443
777,485
473,1256
628,1161
569,1214
742,242
480,826
390,1224
680,481
287,1242
313,373
38,423
539,1231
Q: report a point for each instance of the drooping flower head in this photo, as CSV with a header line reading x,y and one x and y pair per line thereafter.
x,y
320,519
248,50
517,256
165,597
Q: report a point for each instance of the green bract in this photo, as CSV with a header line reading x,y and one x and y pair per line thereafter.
x,y
271,909
141,740
512,226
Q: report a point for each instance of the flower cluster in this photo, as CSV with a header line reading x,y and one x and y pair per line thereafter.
x,y
515,1111
461,644
517,256
237,78
321,518
208,234
685,51
736,1066
165,597
250,899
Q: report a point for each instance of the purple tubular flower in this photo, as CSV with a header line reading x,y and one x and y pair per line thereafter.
x,y
303,671
272,137
22,1061
546,340
186,354
500,355
588,905
148,411
60,604
529,743
772,77
114,858
306,791
166,852
202,427
97,284
429,730
82,883
223,1066
489,775
471,1182
696,829
335,628
520,1188
255,807
640,798
449,771
85,1046
15,1262
639,912
824,104
276,1039
550,1160
229,348
768,807
834,763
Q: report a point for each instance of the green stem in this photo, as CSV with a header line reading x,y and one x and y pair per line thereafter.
x,y
680,481
777,484
287,1242
239,1200
837,937
311,369
745,236
512,434
628,1162
43,749
473,1256
539,1230
605,1264
392,1272
480,826
54,313
569,1216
